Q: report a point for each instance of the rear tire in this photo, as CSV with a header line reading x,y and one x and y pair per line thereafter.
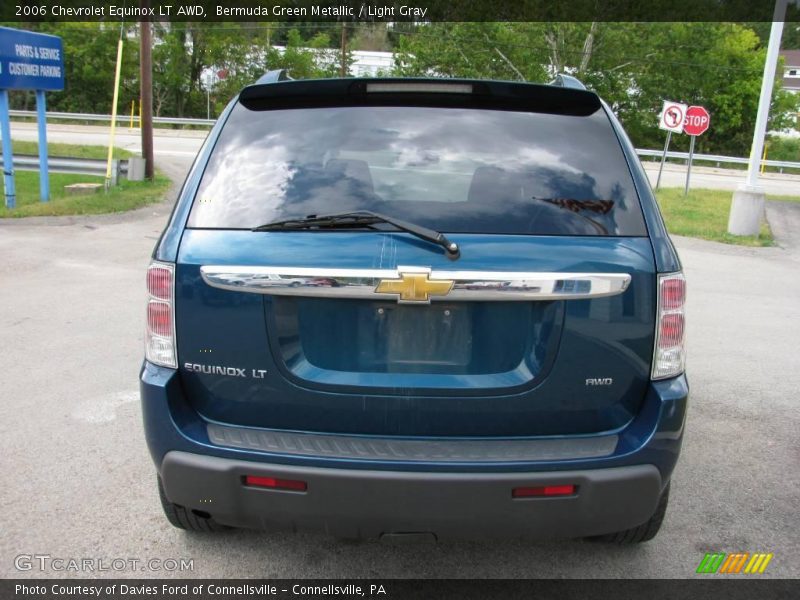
x,y
186,518
642,533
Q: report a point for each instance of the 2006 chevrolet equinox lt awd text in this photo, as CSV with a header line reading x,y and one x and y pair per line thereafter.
x,y
397,307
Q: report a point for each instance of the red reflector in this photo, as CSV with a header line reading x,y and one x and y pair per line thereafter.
x,y
276,484
545,490
159,318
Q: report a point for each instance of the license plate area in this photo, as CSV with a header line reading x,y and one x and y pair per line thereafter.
x,y
317,338
405,338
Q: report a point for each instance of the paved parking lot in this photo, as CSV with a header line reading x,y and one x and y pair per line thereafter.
x,y
77,480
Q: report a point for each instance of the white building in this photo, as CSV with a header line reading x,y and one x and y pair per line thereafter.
x,y
791,70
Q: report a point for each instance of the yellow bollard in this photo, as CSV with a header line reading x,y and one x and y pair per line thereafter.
x,y
132,109
764,158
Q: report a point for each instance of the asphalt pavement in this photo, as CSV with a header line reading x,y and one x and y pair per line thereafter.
x,y
77,481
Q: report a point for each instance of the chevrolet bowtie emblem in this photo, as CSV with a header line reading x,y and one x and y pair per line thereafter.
x,y
415,287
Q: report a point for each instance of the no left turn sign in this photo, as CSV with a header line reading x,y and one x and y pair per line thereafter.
x,y
673,115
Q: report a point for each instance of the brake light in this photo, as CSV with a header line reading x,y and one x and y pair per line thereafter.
x,y
160,330
419,87
669,356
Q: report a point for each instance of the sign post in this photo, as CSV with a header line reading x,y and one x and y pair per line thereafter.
x,y
747,207
8,157
28,61
697,122
41,119
672,118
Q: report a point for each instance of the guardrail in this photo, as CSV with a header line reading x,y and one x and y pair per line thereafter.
x,y
719,159
61,116
79,166
121,118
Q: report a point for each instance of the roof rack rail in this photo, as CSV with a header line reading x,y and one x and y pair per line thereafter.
x,y
568,81
274,76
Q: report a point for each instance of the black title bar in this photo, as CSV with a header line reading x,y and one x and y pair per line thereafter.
x,y
708,588
404,10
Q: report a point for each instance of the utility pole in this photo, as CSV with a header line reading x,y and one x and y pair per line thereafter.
x,y
747,208
343,69
146,81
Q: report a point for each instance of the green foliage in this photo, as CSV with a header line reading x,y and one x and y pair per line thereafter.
x,y
783,149
90,58
243,51
479,50
633,66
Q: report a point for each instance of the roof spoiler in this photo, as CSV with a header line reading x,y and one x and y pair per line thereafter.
x,y
271,93
568,81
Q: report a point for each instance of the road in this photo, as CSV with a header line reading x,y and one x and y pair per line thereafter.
x,y
183,144
77,481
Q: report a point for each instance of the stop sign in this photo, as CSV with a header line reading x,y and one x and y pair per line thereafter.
x,y
697,120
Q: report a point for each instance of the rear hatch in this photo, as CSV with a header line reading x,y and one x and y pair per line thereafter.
x,y
543,326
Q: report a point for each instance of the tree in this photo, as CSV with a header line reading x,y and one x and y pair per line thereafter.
x,y
633,66
479,50
90,56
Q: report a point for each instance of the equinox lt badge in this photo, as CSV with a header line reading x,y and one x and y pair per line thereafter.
x,y
220,370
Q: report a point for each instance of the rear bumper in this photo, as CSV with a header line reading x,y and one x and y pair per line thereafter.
x,y
360,503
443,492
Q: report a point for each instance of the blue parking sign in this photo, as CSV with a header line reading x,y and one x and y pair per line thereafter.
x,y
30,61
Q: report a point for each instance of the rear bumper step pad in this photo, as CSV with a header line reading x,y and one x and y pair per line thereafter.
x,y
386,449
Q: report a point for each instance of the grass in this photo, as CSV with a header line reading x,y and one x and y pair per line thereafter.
x,y
123,197
68,150
704,214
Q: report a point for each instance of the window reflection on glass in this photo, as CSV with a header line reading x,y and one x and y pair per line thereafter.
x,y
450,169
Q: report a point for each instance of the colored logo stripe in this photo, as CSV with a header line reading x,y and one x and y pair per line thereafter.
x,y
719,562
711,562
758,564
734,562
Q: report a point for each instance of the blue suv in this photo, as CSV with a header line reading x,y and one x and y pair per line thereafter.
x,y
388,307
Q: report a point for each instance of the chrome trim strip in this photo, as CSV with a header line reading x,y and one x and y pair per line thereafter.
x,y
361,283
428,450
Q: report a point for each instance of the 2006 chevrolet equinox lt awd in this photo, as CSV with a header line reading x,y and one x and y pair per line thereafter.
x,y
396,307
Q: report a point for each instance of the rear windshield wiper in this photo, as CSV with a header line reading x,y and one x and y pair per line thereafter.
x,y
362,218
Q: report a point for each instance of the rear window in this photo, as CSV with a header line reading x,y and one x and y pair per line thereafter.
x,y
460,170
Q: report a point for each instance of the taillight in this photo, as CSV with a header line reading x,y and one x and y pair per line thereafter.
x,y
669,356
159,341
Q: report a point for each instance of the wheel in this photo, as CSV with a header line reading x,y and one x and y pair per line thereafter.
x,y
642,533
186,518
